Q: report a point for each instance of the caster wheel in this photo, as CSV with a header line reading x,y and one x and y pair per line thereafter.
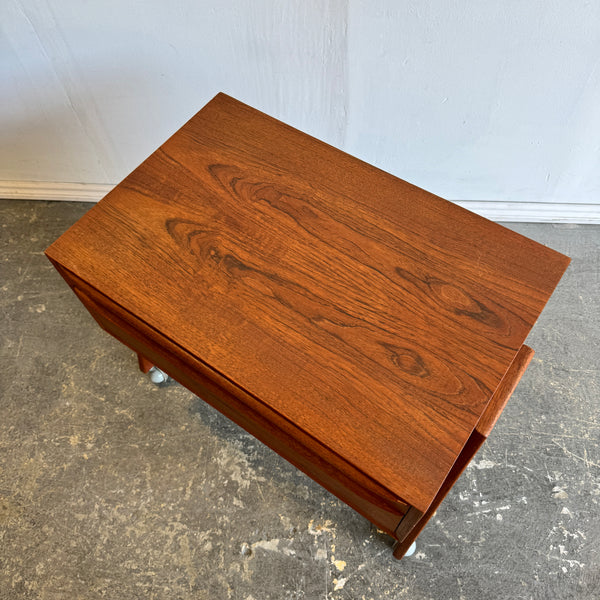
x,y
411,550
157,376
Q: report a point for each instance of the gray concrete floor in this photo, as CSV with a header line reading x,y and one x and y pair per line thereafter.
x,y
111,487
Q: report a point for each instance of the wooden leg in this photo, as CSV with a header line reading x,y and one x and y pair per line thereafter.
x,y
404,548
144,363
400,550
406,532
156,375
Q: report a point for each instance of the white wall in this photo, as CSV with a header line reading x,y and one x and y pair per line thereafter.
x,y
91,88
476,101
479,100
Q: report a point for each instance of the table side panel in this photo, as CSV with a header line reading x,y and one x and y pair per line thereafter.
x,y
504,390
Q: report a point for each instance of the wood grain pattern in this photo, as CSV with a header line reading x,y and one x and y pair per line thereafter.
x,y
364,495
374,316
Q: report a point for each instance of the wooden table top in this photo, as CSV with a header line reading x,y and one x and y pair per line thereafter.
x,y
374,315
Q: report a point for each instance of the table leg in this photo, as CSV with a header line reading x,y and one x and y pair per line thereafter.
x,y
144,363
156,375
398,553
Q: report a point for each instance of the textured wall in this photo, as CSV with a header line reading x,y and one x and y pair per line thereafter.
x,y
94,87
479,100
474,101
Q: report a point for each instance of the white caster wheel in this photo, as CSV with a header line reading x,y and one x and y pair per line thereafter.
x,y
412,549
157,376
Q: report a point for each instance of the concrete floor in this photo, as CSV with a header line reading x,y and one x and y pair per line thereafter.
x,y
111,487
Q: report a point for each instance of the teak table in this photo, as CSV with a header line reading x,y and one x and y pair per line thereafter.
x,y
366,330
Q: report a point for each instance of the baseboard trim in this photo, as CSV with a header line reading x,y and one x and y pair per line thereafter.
x,y
50,190
503,212
534,212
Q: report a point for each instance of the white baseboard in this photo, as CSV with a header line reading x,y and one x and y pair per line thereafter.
x,y
534,212
50,190
504,212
